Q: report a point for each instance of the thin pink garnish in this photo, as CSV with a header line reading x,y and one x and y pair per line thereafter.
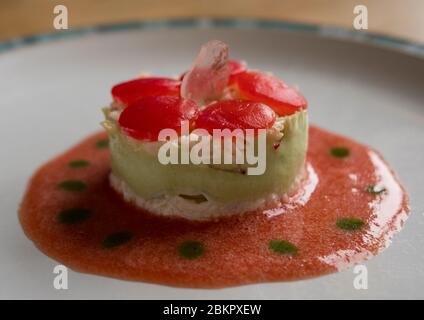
x,y
209,75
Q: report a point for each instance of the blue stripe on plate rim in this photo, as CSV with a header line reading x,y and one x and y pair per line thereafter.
x,y
402,45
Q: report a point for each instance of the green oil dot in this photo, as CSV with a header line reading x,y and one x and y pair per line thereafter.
x,y
78,163
116,239
73,215
191,249
339,152
72,185
283,247
350,224
102,144
375,189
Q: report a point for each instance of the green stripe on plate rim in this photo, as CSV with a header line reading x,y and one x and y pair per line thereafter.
x,y
405,46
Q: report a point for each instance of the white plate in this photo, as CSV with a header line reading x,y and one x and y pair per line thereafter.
x,y
52,92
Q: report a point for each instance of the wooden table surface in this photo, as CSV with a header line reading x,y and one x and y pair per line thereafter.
x,y
400,18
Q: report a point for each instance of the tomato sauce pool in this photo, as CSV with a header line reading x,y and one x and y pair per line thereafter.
x,y
357,204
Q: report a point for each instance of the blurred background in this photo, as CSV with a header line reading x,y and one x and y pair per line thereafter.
x,y
399,18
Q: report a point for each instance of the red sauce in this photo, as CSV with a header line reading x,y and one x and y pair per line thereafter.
x,y
236,250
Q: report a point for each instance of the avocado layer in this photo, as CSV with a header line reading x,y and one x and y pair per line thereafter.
x,y
136,163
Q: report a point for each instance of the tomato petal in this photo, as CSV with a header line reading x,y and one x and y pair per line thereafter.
x,y
236,67
236,114
268,89
209,75
130,91
145,118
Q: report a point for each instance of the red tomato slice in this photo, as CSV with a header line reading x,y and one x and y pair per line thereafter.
x,y
236,67
236,114
145,118
130,91
261,87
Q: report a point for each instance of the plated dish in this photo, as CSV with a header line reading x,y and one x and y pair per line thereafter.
x,y
323,202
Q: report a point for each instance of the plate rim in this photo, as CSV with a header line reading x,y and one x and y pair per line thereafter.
x,y
392,43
